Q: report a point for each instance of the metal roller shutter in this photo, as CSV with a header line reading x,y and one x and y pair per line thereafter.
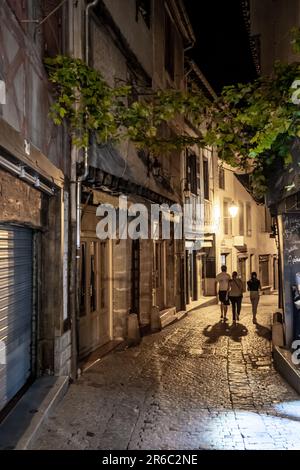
x,y
16,266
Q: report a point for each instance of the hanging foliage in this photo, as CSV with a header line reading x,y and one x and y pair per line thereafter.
x,y
252,125
295,42
89,104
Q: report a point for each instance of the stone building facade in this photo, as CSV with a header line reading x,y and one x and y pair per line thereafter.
x,y
245,243
146,278
271,23
34,336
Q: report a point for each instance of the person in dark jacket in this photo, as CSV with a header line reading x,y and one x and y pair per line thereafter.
x,y
254,288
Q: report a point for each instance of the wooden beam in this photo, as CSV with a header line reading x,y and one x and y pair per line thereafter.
x,y
13,143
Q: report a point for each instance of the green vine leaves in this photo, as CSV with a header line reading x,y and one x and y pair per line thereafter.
x,y
89,104
254,125
295,42
251,125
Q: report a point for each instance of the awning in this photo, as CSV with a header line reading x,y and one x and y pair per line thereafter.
x,y
243,255
107,158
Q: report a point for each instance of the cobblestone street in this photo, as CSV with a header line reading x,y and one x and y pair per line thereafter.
x,y
198,384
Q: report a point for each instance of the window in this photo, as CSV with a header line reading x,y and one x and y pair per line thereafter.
x,y
227,218
252,263
191,172
206,179
292,203
169,46
158,264
198,174
264,270
248,220
52,28
242,270
241,218
223,259
143,7
221,178
210,267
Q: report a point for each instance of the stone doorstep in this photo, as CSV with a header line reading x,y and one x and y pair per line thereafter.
x,y
170,315
284,365
21,426
167,316
87,362
203,302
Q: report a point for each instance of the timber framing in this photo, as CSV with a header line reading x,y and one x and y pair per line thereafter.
x,y
12,145
180,15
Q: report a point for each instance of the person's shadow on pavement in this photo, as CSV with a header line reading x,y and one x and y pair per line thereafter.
x,y
263,332
214,332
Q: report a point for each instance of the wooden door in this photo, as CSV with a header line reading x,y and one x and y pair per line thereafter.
x,y
94,309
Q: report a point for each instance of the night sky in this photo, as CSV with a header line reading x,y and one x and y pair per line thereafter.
x,y
222,51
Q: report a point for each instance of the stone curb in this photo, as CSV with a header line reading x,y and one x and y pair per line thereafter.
x,y
21,427
283,364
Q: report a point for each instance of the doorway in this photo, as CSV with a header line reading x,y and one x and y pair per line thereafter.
x,y
242,271
159,273
94,323
16,310
192,276
135,277
275,272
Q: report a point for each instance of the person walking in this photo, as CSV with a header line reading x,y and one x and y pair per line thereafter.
x,y
235,296
222,280
254,288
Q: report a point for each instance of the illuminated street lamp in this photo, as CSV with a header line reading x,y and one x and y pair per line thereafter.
x,y
233,209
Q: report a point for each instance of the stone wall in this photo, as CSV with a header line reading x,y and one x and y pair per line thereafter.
x,y
62,354
19,202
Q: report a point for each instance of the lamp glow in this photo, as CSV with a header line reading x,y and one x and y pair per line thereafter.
x,y
233,209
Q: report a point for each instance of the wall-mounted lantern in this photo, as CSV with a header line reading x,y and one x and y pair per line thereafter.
x,y
233,209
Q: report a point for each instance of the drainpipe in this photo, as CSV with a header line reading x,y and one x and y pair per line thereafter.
x,y
86,166
78,49
87,13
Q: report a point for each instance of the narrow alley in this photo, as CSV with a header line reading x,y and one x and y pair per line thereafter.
x,y
198,384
